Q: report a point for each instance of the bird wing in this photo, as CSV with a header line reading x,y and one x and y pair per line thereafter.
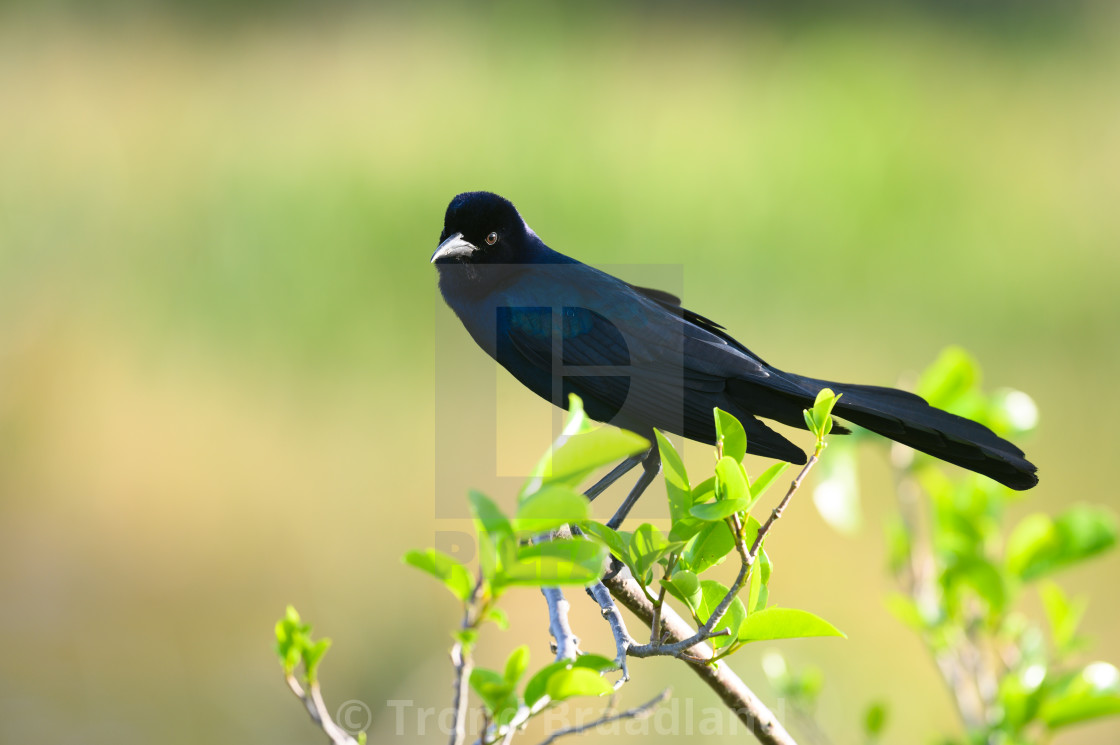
x,y
670,302
670,370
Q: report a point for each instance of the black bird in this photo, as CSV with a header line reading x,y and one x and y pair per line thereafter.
x,y
639,360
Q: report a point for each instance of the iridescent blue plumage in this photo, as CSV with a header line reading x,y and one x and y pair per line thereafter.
x,y
639,360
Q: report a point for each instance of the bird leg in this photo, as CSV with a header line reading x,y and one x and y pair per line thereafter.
x,y
651,466
616,473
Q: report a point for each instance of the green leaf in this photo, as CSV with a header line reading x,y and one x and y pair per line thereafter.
x,y
705,491
576,681
1073,710
576,561
496,694
506,710
444,568
596,662
1091,693
709,548
575,455
731,480
491,686
751,526
906,611
294,640
516,664
732,494
537,685
647,545
759,602
647,540
488,515
981,576
292,623
810,422
760,575
899,542
731,435
1063,615
292,635
498,617
712,593
685,587
549,508
1039,545
676,478
688,526
785,623
615,542
763,482
822,410
466,637
290,628
312,655
1020,694
496,541
875,719
536,688
720,510
952,375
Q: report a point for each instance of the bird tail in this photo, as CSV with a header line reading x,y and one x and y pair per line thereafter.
x,y
907,418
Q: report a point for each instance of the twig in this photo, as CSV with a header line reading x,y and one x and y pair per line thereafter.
x,y
655,624
317,709
777,513
638,712
461,659
918,579
703,634
719,677
656,648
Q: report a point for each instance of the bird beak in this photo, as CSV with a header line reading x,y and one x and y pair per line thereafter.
x,y
453,248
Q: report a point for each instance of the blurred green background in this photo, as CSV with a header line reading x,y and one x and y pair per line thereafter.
x,y
217,314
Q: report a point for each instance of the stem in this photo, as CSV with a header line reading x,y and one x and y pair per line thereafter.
x,y
461,659
720,678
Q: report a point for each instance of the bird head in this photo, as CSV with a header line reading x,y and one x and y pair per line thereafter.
x,y
482,228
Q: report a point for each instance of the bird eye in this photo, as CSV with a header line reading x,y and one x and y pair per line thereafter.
x,y
491,239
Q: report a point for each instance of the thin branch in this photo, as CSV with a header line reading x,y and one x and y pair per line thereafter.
x,y
777,513
704,633
656,648
655,624
719,677
461,659
918,579
317,709
638,712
